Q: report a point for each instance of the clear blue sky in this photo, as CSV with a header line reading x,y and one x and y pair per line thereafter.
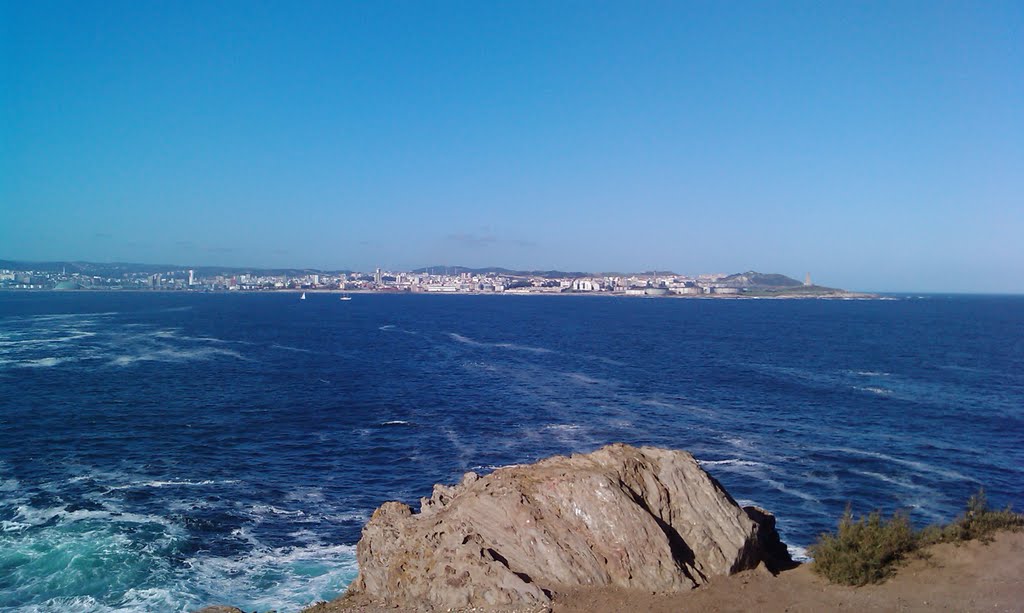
x,y
878,145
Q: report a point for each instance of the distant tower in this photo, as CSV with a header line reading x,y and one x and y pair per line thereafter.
x,y
191,278
807,280
377,277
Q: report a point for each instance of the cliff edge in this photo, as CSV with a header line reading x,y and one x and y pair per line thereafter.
x,y
637,518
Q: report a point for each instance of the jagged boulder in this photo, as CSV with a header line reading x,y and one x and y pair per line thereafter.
x,y
643,518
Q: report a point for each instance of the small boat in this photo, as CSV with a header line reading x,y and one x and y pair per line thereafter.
x,y
303,296
345,297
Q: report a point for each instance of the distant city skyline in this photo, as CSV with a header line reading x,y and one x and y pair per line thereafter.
x,y
879,146
89,276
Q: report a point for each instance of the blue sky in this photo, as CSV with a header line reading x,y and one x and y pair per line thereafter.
x,y
878,145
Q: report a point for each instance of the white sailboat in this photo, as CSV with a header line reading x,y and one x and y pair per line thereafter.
x,y
303,296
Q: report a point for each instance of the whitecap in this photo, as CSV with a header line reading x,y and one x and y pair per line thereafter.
x,y
395,422
585,379
890,480
919,466
792,492
563,427
173,483
799,554
42,362
289,348
264,509
279,578
731,462
33,516
881,391
176,355
465,340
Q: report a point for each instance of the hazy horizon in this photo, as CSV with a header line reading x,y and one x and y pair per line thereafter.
x,y
879,146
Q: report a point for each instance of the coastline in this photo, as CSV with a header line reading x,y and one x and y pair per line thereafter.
x,y
971,576
837,295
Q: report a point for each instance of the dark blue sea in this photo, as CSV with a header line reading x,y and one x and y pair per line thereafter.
x,y
163,451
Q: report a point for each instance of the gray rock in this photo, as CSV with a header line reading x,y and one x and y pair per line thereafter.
x,y
642,518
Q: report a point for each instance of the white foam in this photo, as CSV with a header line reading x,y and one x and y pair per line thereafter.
x,y
585,379
517,347
872,373
134,601
919,466
280,578
890,480
42,362
395,422
176,355
43,341
172,483
263,509
740,443
881,391
35,517
289,348
354,516
799,554
387,327
731,462
512,346
563,427
464,339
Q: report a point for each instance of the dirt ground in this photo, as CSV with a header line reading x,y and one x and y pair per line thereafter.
x,y
969,577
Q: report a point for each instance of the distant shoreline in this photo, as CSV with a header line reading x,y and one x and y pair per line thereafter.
x,y
835,295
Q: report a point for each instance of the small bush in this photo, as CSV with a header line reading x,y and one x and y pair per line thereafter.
x,y
865,550
977,522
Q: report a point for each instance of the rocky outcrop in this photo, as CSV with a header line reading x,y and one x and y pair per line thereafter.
x,y
642,518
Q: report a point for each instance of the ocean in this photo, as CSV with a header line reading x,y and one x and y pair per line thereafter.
x,y
164,451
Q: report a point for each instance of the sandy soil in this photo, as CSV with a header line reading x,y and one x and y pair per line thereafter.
x,y
969,577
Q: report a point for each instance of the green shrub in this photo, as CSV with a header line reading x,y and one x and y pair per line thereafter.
x,y
865,550
977,522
